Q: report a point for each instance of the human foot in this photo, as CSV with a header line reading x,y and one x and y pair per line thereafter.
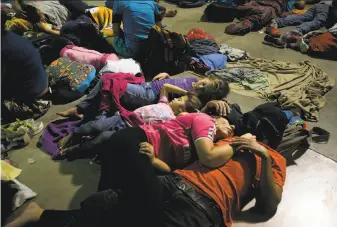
x,y
72,112
171,13
31,213
65,141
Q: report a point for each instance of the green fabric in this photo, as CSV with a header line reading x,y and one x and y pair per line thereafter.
x,y
301,85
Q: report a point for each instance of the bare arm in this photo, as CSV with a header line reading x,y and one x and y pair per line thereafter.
x,y
213,156
161,166
169,88
147,149
271,192
220,106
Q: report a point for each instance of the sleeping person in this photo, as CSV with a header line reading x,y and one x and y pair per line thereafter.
x,y
103,127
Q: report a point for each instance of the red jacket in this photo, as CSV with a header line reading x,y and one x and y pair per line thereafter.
x,y
114,86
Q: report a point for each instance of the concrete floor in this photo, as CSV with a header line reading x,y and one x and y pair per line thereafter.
x,y
310,193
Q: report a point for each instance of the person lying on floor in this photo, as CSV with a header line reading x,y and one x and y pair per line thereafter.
x,y
138,95
39,20
256,14
72,147
319,44
202,194
56,13
176,144
316,17
138,18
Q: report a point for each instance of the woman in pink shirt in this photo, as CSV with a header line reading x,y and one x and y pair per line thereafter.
x,y
176,143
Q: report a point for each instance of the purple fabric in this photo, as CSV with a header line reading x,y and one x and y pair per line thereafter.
x,y
184,83
54,132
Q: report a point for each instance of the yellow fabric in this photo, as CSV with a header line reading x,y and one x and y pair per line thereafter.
x,y
103,17
18,25
299,11
9,172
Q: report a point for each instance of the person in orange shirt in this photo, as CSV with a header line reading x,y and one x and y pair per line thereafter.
x,y
199,195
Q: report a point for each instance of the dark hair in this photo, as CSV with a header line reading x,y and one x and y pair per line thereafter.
x,y
32,13
193,103
220,91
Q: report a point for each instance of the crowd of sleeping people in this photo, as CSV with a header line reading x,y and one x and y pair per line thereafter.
x,y
191,141
194,161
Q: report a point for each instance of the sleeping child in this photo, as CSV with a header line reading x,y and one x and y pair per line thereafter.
x,y
102,128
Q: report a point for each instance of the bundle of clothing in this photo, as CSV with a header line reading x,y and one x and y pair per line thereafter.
x,y
204,52
301,85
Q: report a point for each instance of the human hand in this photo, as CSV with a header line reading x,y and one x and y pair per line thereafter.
x,y
252,145
221,107
161,76
147,149
248,136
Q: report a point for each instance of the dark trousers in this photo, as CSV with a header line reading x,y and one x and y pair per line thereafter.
x,y
102,129
111,208
312,20
90,104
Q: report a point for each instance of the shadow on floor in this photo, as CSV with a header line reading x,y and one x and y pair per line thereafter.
x,y
85,174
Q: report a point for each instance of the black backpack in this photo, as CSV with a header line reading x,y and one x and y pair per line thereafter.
x,y
167,52
220,12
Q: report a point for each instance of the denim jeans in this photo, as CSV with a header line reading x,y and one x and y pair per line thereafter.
x,y
102,129
138,95
312,20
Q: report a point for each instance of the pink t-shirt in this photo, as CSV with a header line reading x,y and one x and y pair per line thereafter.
x,y
156,113
171,139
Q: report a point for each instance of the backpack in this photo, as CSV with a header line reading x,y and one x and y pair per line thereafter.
x,y
220,12
69,79
297,139
167,52
294,138
49,46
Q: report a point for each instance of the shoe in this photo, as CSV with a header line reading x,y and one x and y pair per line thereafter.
x,y
273,32
16,130
302,46
293,46
290,37
271,41
241,28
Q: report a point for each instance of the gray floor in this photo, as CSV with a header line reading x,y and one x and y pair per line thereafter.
x,y
310,196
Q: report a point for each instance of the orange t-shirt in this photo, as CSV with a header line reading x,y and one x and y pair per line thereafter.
x,y
231,182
